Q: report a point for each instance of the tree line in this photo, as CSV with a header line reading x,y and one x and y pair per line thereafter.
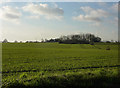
x,y
69,39
76,39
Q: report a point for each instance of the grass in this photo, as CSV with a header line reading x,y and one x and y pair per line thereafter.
x,y
51,65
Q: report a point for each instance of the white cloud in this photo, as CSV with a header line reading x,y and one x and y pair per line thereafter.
x,y
10,14
94,12
91,15
87,18
45,10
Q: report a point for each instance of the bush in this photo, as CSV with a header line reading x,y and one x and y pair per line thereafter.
x,y
91,43
108,48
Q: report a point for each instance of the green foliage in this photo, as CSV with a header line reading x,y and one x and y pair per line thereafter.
x,y
77,80
91,43
76,39
24,75
33,65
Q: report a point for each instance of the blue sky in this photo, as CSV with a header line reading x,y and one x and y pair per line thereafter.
x,y
35,21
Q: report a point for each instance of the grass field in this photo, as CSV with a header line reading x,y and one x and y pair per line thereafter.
x,y
53,65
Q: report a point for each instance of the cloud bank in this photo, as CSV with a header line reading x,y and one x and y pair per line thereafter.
x,y
10,14
98,16
45,10
91,15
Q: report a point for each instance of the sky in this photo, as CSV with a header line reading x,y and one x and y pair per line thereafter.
x,y
24,21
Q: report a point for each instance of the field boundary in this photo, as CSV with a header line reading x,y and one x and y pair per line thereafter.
x,y
62,69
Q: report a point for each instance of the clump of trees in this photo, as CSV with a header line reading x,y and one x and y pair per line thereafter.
x,y
77,39
5,41
32,42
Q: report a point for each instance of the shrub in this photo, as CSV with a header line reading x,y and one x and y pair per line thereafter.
x,y
91,43
108,48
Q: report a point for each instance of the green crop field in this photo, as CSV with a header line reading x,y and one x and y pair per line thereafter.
x,y
53,65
